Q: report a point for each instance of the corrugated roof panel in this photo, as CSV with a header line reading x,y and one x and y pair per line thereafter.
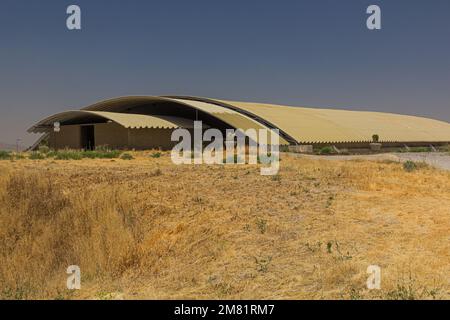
x,y
233,118
125,119
328,125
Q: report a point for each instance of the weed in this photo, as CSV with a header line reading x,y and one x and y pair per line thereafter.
x,y
410,166
44,149
5,155
409,289
275,177
126,156
262,225
155,155
262,264
313,247
67,155
326,150
329,246
35,155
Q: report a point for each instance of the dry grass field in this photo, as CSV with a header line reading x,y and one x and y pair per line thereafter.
x,y
148,229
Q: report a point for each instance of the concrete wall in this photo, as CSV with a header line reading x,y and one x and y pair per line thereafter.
x,y
151,139
112,135
68,137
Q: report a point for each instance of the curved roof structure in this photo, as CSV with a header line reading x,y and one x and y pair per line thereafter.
x,y
314,125
295,124
311,125
134,121
235,119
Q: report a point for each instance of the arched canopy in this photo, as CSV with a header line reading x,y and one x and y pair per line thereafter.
x,y
136,121
233,117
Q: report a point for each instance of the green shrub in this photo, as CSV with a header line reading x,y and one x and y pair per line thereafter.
x,y
36,155
156,155
68,155
78,155
5,155
44,149
126,156
262,225
326,150
420,149
409,166
102,148
18,156
90,154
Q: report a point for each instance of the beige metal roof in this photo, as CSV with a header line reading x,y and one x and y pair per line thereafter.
x,y
296,124
234,119
125,119
311,125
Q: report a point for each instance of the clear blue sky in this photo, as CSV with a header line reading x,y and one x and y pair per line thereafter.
x,y
305,53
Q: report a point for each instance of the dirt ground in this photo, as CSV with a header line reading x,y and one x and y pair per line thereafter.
x,y
148,229
439,160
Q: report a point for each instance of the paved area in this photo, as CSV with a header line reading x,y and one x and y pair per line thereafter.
x,y
437,159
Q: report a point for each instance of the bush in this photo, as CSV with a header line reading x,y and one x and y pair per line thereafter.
x,y
126,156
5,155
18,156
326,150
68,155
44,149
410,166
156,155
420,149
78,155
375,138
102,148
35,155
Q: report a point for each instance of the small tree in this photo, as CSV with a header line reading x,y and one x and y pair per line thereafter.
x,y
375,138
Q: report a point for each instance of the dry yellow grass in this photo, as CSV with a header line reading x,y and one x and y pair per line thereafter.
x,y
146,228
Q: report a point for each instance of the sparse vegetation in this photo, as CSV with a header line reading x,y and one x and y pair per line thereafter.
x,y
5,155
262,264
44,149
155,155
126,156
127,225
262,225
410,166
416,149
36,155
326,150
101,154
